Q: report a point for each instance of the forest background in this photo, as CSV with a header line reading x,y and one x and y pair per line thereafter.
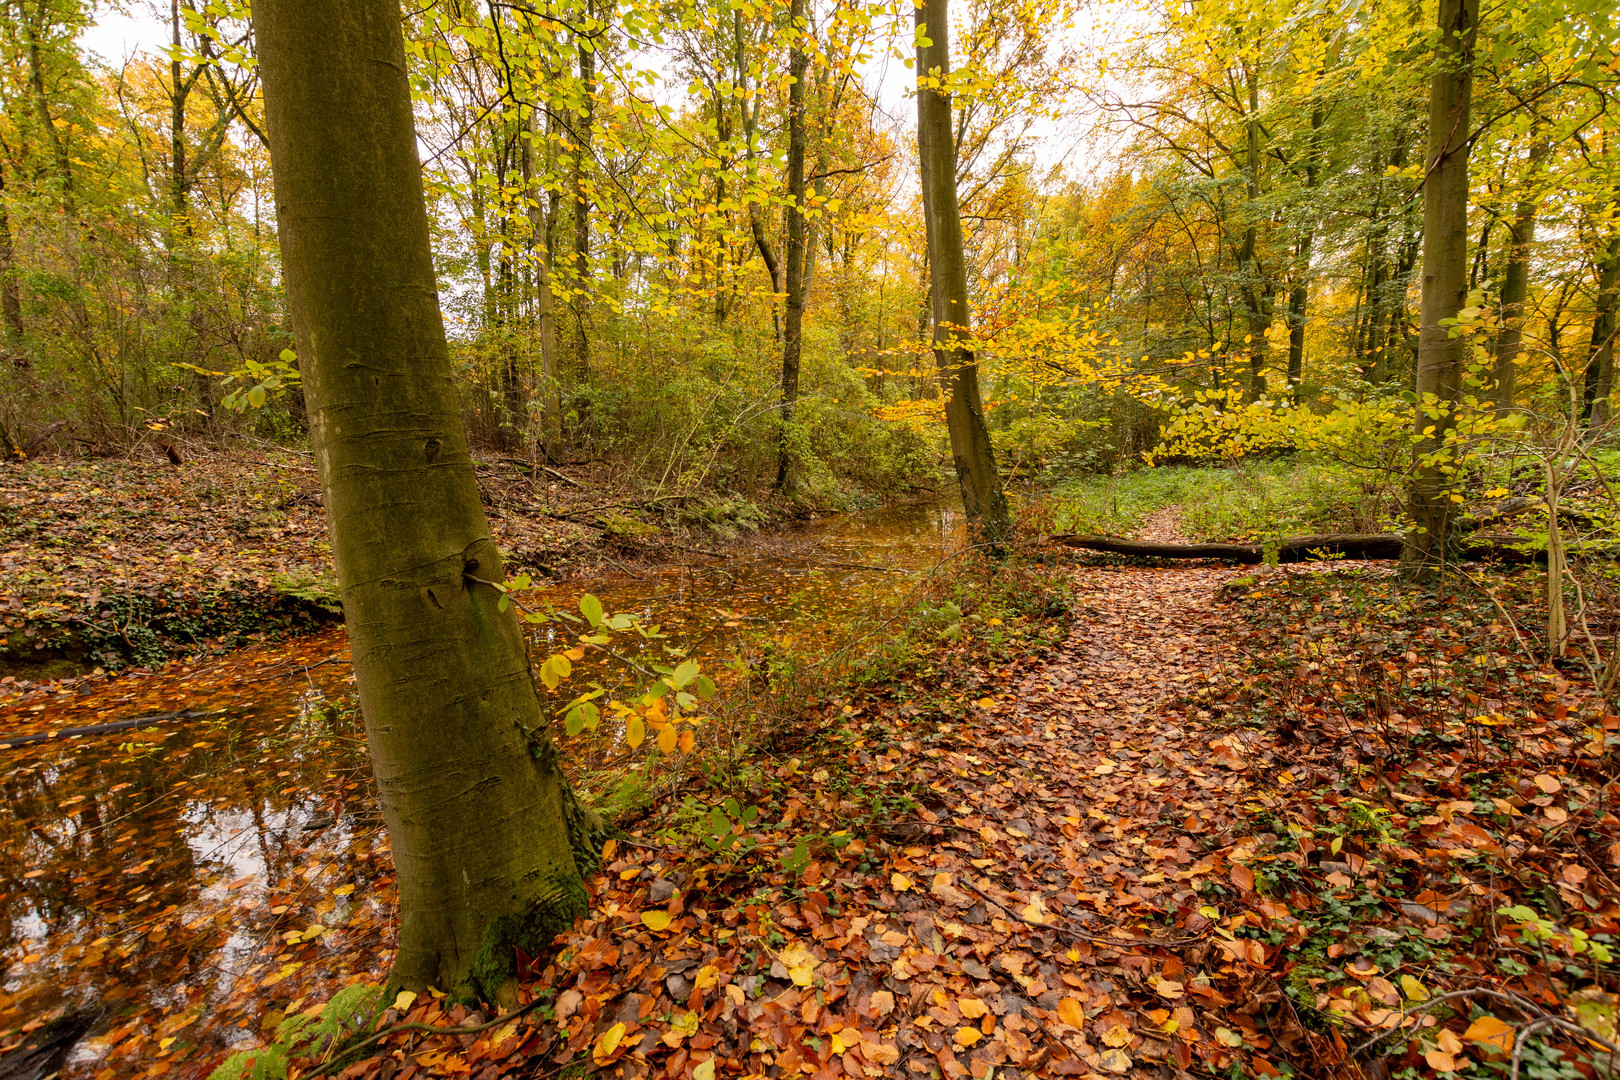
x,y
1231,267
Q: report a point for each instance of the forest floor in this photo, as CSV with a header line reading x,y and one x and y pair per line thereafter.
x,y
1305,823
1134,820
132,561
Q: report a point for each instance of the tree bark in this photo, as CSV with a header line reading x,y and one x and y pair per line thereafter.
x,y
1600,352
478,811
545,301
983,500
10,289
42,107
1445,286
1299,296
793,304
1257,292
750,120
582,198
1516,285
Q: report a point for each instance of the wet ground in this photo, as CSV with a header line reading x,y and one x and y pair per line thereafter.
x,y
190,879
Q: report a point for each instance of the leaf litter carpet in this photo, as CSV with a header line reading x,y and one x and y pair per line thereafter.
x,y
1038,916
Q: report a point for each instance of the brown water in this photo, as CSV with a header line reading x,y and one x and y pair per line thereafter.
x,y
167,878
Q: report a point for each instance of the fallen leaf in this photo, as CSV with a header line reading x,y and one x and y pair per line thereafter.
x,y
1491,1032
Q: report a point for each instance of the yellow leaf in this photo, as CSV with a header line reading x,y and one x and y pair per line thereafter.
x,y
986,703
667,738
1413,989
1118,1035
900,882
635,730
972,1007
967,1036
1114,1061
1489,1031
609,1042
656,920
608,849
576,654
1071,1012
704,1071
1228,1037
405,1000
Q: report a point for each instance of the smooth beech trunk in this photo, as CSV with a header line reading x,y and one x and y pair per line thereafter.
x,y
982,497
476,807
1445,285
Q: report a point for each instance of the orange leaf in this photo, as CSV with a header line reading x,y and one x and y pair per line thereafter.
x,y
1491,1032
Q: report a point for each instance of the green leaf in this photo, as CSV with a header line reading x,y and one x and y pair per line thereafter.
x,y
705,687
591,608
684,674
574,722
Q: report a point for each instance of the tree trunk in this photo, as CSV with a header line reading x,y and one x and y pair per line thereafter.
x,y
750,120
179,189
10,290
42,106
793,305
982,497
1300,295
1600,353
1516,284
477,809
1256,291
545,302
1445,286
582,199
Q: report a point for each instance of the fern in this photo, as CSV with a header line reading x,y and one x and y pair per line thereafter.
x,y
351,1011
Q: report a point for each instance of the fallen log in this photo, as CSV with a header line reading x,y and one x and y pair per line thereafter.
x,y
1509,549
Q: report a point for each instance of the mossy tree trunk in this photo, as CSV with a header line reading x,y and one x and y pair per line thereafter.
x,y
476,809
1445,286
982,497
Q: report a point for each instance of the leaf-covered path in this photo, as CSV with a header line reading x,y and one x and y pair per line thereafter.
x,y
1038,916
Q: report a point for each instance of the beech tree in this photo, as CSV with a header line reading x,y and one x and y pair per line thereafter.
x,y
1445,285
982,497
476,806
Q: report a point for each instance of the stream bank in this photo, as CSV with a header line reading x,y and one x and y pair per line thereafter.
x,y
130,563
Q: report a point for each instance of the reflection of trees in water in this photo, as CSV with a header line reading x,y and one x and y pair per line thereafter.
x,y
146,938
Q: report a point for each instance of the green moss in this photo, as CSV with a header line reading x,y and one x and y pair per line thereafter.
x,y
561,902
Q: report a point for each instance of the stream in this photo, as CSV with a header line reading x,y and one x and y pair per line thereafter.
x,y
180,886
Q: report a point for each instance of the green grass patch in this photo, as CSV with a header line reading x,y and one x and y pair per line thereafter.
x,y
1249,501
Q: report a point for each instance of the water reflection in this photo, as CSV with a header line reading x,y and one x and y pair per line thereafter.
x,y
185,879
